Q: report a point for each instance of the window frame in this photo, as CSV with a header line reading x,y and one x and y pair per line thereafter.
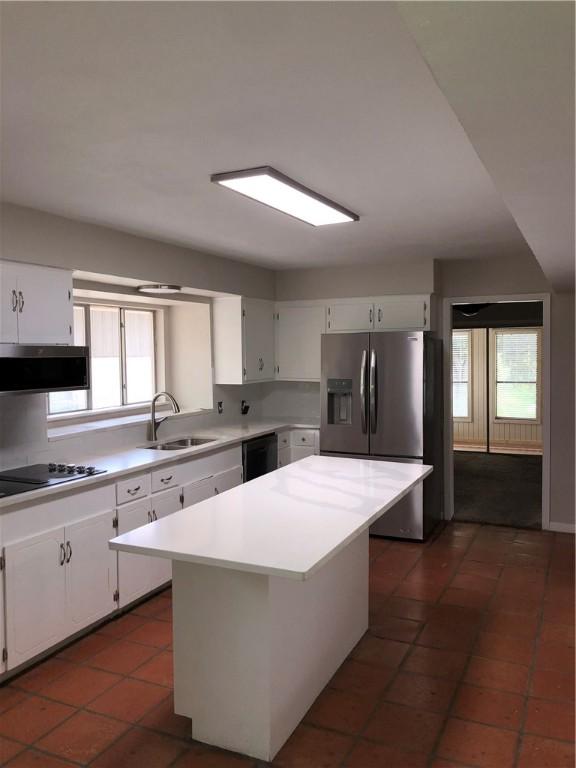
x,y
470,418
123,406
494,376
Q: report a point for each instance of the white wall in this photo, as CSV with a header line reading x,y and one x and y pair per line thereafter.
x,y
359,280
36,237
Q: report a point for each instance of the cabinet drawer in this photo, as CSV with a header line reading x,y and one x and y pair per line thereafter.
x,y
134,488
303,437
168,477
283,440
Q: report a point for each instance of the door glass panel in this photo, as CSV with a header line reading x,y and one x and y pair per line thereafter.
x,y
139,336
516,374
105,356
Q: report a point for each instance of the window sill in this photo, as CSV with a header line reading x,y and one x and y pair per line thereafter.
x,y
60,429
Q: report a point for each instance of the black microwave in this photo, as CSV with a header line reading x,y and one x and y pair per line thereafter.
x,y
35,368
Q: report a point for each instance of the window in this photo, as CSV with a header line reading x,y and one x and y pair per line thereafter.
x,y
122,359
517,373
461,345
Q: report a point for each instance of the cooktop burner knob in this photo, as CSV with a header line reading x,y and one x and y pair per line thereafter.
x,y
81,469
61,467
52,467
70,468
90,470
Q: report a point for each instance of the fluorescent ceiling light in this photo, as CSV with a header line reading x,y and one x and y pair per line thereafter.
x,y
158,288
268,186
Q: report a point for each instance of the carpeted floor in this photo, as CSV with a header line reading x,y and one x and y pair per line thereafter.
x,y
499,489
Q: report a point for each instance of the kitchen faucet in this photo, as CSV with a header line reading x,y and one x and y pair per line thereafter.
x,y
154,422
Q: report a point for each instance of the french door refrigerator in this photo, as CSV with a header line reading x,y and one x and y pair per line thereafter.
x,y
381,398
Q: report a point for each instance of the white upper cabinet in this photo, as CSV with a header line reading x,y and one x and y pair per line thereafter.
x,y
36,304
399,313
243,340
385,313
299,329
350,316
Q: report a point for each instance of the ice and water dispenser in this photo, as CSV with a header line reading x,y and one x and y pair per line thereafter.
x,y
339,393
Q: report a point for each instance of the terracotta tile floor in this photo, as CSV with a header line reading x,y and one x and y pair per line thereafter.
x,y
469,661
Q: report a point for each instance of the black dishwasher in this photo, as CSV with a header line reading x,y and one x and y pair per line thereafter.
x,y
259,456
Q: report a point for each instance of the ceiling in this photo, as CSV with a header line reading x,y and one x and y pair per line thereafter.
x,y
117,113
508,73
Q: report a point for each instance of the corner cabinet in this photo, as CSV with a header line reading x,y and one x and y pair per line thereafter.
x,y
299,329
243,340
36,304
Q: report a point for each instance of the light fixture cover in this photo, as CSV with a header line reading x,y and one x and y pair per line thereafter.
x,y
269,186
159,288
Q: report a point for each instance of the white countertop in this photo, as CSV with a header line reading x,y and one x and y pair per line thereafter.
x,y
137,459
286,523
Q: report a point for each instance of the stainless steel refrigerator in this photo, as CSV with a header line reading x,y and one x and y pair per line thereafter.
x,y
381,398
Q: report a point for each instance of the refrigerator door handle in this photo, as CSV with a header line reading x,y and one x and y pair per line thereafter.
x,y
363,390
373,393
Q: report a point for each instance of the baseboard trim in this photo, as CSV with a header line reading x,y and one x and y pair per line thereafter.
x,y
562,527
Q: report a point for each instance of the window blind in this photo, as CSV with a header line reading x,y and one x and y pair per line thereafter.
x,y
460,374
517,374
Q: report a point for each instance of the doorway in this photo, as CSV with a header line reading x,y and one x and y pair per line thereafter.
x,y
497,412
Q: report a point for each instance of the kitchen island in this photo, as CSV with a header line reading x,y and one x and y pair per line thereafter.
x,y
270,592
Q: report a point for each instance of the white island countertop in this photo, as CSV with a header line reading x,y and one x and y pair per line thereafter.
x,y
286,523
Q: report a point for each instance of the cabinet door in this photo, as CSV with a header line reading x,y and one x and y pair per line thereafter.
x,y
192,493
91,573
45,309
350,317
258,339
35,595
298,336
133,570
8,303
223,481
284,457
400,313
163,504
301,452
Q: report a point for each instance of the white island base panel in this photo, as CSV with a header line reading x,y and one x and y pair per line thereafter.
x,y
253,651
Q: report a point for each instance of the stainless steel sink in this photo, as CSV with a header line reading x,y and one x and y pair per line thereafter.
x,y
181,443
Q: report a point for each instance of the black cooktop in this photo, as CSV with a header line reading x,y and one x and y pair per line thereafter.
x,y
22,479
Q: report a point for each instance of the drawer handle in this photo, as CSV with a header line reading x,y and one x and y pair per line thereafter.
x,y
62,554
166,479
132,491
69,551
303,439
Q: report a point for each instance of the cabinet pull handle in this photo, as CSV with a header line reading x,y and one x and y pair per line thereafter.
x,y
132,491
14,300
20,301
379,314
69,551
216,490
166,479
153,516
370,315
149,516
62,554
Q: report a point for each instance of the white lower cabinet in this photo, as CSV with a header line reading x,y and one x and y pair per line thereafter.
x,y
301,452
35,595
91,577
162,505
230,478
133,570
284,456
197,491
57,583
